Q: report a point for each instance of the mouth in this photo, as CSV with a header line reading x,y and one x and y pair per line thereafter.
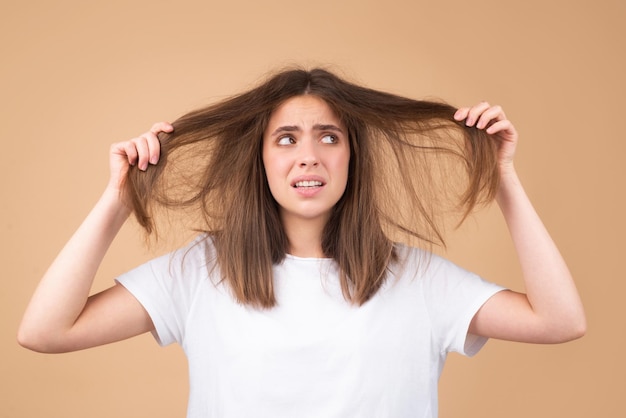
x,y
307,184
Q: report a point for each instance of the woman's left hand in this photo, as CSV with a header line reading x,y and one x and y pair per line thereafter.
x,y
493,120
550,311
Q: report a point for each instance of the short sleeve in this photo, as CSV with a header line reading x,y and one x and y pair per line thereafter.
x,y
166,286
453,296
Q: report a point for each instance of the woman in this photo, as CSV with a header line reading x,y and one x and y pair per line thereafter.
x,y
295,300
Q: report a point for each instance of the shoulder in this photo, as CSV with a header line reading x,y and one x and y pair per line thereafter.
x,y
433,273
419,262
199,251
183,264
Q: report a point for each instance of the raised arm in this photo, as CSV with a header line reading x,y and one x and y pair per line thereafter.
x,y
551,310
61,316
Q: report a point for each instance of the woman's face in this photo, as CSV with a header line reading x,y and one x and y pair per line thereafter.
x,y
306,154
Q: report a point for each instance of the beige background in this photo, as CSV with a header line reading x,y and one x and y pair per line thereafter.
x,y
78,75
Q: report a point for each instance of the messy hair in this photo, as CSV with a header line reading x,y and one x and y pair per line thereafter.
x,y
407,159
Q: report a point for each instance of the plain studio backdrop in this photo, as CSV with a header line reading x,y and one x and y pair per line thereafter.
x,y
78,75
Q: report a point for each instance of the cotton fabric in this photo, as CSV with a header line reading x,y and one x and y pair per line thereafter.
x,y
314,354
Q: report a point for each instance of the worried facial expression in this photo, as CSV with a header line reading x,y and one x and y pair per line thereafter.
x,y
306,154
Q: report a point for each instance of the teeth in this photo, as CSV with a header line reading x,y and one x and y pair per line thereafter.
x,y
310,183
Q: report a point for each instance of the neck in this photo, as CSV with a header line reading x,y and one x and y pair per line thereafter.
x,y
305,237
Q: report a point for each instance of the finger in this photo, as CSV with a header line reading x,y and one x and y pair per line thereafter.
x,y
504,125
143,149
153,145
475,112
127,150
461,113
161,127
490,115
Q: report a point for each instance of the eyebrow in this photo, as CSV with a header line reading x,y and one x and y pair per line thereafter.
x,y
316,127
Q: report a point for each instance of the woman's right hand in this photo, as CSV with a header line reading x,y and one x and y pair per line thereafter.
x,y
61,315
140,151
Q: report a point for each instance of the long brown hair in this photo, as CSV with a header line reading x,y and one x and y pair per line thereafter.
x,y
400,168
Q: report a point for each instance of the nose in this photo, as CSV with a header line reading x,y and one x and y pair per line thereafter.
x,y
308,154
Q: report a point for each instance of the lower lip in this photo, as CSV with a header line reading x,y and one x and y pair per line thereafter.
x,y
308,191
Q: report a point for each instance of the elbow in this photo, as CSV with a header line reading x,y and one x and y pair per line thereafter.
x,y
578,325
30,341
571,330
27,341
579,329
36,340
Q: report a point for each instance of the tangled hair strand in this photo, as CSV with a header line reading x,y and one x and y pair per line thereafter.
x,y
407,159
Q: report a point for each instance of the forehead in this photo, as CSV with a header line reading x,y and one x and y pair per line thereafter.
x,y
303,110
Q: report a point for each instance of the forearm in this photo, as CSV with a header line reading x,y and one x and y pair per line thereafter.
x,y
64,289
550,289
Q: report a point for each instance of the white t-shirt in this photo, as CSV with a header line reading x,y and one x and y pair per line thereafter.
x,y
314,354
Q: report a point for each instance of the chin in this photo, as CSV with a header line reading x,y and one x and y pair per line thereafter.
x,y
310,214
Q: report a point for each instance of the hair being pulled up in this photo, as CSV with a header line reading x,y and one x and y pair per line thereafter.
x,y
407,159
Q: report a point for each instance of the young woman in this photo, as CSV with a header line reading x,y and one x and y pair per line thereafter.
x,y
296,299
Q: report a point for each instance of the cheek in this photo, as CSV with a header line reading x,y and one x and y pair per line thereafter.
x,y
274,169
266,158
342,164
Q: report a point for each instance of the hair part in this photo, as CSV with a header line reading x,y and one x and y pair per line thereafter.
x,y
405,156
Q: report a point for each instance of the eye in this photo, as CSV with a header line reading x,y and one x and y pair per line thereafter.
x,y
330,139
286,140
